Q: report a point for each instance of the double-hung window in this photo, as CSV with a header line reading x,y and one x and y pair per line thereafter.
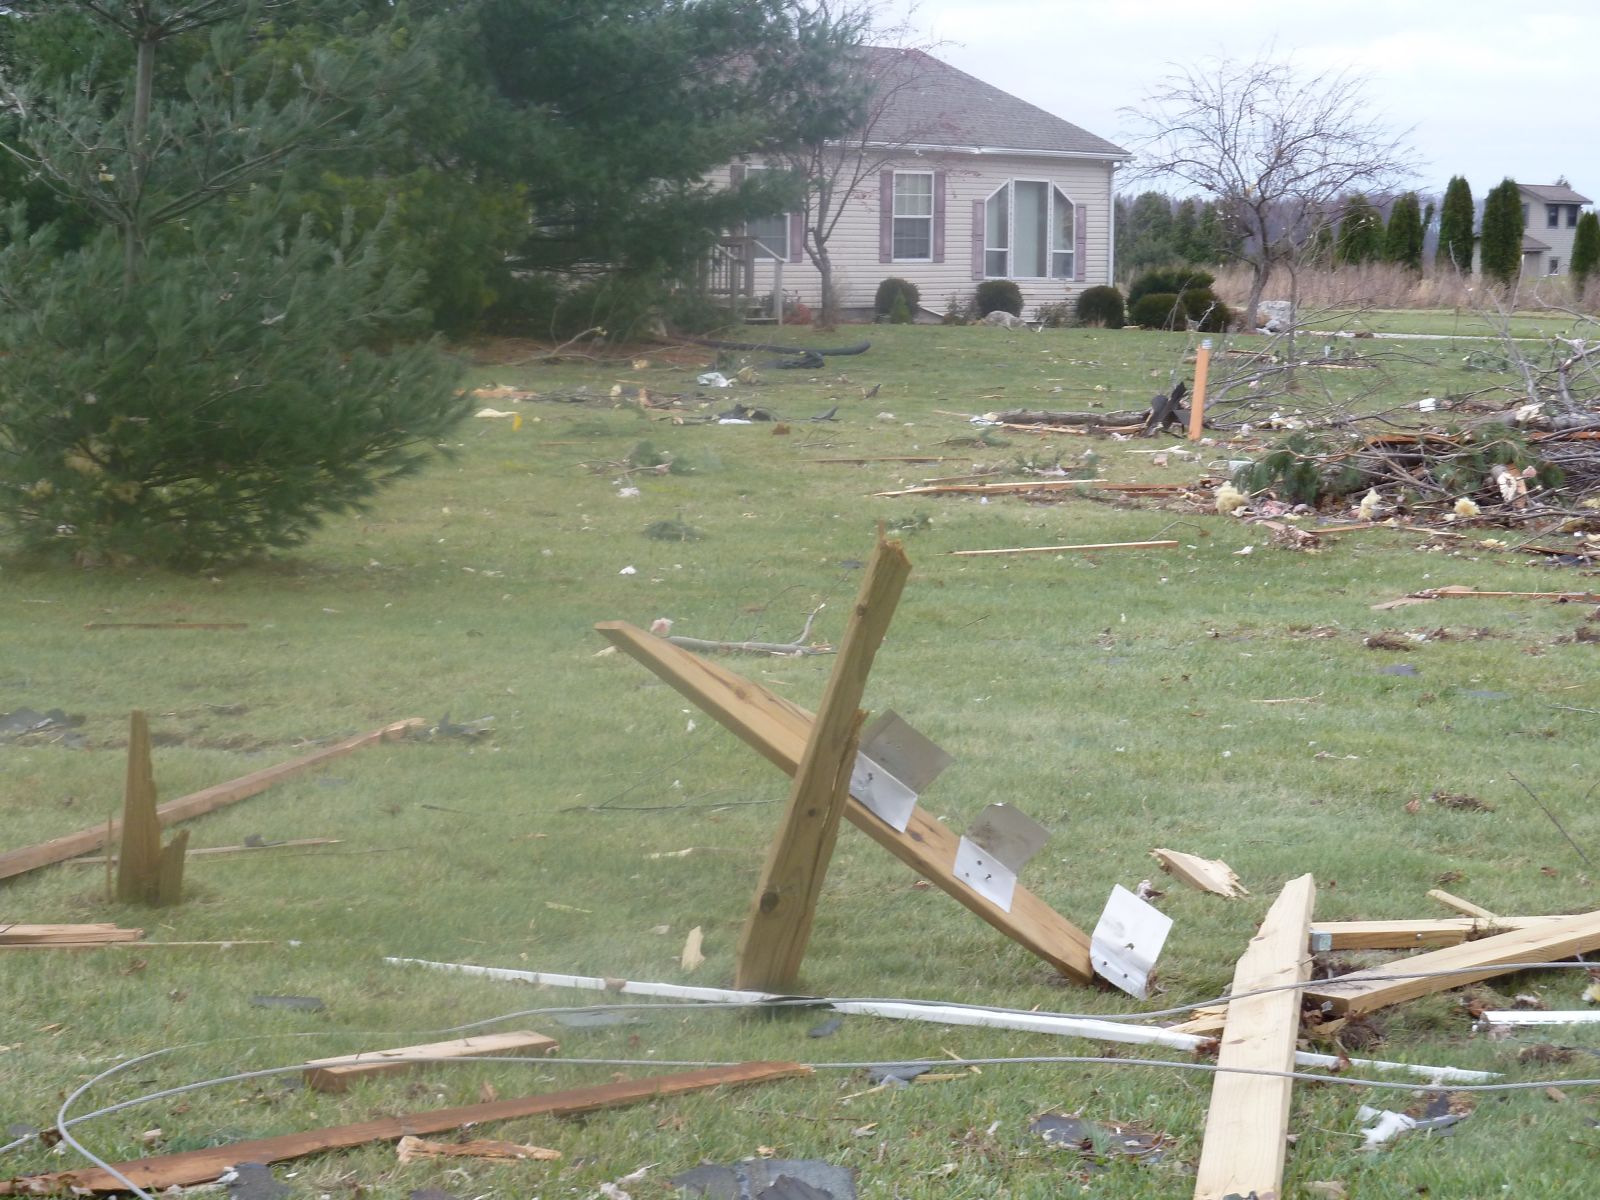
x,y
913,216
1552,215
1030,231
771,233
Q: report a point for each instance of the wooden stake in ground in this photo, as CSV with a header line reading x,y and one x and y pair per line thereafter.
x,y
147,873
1197,407
1247,1124
779,729
31,858
775,934
203,1166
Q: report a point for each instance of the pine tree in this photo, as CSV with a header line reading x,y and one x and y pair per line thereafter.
x,y
1500,247
1360,232
1455,228
201,381
1402,240
1585,251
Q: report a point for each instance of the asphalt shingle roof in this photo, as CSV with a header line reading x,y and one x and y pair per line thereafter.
x,y
1553,193
931,103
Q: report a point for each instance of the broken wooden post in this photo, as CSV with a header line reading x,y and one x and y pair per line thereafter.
x,y
778,729
779,925
147,872
1197,409
1248,1122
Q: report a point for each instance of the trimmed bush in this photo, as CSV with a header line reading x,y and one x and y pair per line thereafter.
x,y
999,295
900,313
889,289
1059,315
1102,306
1209,314
1175,280
1158,310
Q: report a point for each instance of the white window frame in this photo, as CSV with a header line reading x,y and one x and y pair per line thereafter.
x,y
1552,216
786,218
896,216
1053,190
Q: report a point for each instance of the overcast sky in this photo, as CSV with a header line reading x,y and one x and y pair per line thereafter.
x,y
1489,88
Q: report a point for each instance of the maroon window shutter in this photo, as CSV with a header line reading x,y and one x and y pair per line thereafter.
x,y
1080,242
938,216
977,239
885,216
797,237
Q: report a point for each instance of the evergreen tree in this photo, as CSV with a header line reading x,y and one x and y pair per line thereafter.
x,y
1455,228
1402,240
1360,232
1585,251
1186,232
1500,248
202,379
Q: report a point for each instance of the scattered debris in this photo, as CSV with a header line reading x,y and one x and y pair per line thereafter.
x,y
1460,802
29,724
414,1149
1097,1143
66,935
1205,874
769,1179
470,731
691,956
253,1181
795,649
1384,1126
335,1074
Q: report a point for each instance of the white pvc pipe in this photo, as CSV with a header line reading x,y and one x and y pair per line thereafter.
x,y
942,1014
1509,1016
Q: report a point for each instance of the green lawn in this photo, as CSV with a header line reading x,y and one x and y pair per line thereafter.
x,y
1466,323
1119,698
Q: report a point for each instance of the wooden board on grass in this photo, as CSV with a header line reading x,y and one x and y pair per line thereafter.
x,y
336,1074
777,729
1247,1124
1457,966
204,1166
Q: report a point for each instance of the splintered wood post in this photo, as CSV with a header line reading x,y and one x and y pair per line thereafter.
x,y
1247,1124
1462,906
775,934
169,871
779,729
1197,407
139,863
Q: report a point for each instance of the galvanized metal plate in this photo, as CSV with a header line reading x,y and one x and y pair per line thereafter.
x,y
1009,834
882,793
985,874
1127,941
903,752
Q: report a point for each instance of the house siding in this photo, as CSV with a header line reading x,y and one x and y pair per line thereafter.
x,y
856,244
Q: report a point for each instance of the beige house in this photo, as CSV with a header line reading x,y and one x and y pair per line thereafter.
x,y
1550,214
957,182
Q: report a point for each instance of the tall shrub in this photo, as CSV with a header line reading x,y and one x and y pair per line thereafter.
x,y
1402,240
1455,228
1586,251
1360,232
1500,248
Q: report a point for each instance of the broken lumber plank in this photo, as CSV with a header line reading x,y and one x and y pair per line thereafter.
x,y
139,864
72,935
1204,874
166,625
1378,987
71,845
204,1166
778,927
1158,545
335,1074
777,729
414,1149
881,458
1038,485
1462,906
1406,935
1466,593
95,860
138,945
1247,1124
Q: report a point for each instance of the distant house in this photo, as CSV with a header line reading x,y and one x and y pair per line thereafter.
x,y
968,183
1550,214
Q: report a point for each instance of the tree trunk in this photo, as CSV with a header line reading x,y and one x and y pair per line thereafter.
x,y
1259,270
828,310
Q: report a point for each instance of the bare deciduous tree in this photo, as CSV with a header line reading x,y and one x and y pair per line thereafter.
x,y
1274,148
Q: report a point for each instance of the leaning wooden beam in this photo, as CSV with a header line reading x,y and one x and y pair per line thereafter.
x,y
778,927
96,860
336,1074
204,1166
1461,906
31,858
777,729
139,945
1466,593
1410,935
1161,545
1247,1125
1060,1024
1457,966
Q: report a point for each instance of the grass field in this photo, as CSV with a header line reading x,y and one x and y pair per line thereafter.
x,y
1201,698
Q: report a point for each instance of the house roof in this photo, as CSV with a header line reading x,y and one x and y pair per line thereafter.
x,y
1553,193
929,103
1532,245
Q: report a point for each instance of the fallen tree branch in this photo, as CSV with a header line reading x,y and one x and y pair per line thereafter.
x,y
792,649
